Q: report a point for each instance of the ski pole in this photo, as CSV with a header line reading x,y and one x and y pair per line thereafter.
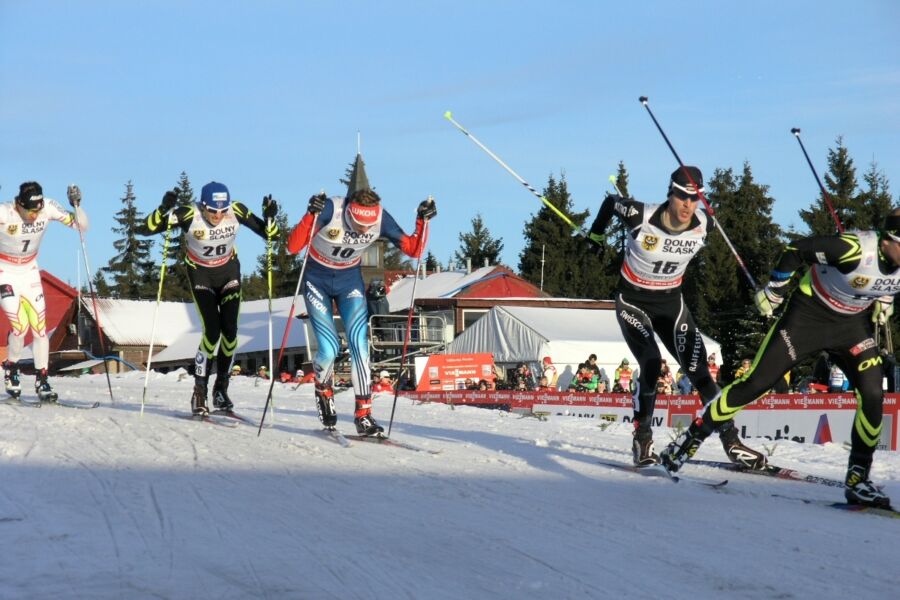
x,y
269,283
287,327
409,317
162,277
579,230
825,195
615,183
709,210
87,268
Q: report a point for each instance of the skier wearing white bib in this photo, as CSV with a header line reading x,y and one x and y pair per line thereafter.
x,y
22,227
662,240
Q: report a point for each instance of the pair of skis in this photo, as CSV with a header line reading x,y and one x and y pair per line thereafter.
x,y
794,475
221,418
656,470
18,400
347,440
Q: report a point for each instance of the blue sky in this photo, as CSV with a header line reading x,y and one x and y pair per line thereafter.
x,y
268,97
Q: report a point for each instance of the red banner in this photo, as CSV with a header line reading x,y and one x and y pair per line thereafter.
x,y
447,372
810,417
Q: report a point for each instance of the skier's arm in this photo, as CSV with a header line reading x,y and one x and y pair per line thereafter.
x,y
629,211
57,213
842,252
168,214
246,217
411,245
318,213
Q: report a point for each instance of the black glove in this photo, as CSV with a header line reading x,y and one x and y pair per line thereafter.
x,y
169,201
317,203
269,208
74,195
427,209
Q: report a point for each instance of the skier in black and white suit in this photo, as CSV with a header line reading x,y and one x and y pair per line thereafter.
x,y
662,239
210,229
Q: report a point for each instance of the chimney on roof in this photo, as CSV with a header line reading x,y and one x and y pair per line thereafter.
x,y
468,265
486,262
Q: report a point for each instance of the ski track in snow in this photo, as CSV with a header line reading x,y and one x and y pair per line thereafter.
x,y
106,503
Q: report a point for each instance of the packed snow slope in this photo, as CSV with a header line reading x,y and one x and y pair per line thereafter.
x,y
107,503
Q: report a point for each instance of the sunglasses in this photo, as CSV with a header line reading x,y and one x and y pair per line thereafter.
x,y
213,211
681,195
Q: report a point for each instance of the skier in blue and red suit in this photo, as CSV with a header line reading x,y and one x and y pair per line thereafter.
x,y
342,229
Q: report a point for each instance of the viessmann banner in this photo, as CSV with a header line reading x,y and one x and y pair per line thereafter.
x,y
447,372
817,418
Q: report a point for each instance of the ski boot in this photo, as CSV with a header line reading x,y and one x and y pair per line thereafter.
x,y
325,405
859,489
11,378
198,399
365,424
737,452
221,401
43,389
642,447
685,446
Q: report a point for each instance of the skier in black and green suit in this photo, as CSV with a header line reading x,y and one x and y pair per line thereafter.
x,y
845,293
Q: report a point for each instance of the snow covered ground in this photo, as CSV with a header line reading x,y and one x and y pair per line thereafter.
x,y
105,503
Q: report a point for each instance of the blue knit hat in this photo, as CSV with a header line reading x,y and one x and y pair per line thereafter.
x,y
215,196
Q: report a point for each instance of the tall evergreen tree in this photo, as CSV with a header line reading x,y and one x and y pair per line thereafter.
x,y
840,182
565,262
177,287
715,287
131,269
478,245
431,262
101,288
875,200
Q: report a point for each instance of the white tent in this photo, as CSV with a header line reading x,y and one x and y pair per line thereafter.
x,y
568,335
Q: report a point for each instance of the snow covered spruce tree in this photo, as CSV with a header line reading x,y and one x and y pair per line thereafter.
x,y
478,245
131,270
715,286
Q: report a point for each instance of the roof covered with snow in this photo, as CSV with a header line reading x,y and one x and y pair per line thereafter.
x,y
178,328
487,282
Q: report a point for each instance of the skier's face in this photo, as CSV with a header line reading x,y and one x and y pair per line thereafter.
x,y
682,207
214,217
29,215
